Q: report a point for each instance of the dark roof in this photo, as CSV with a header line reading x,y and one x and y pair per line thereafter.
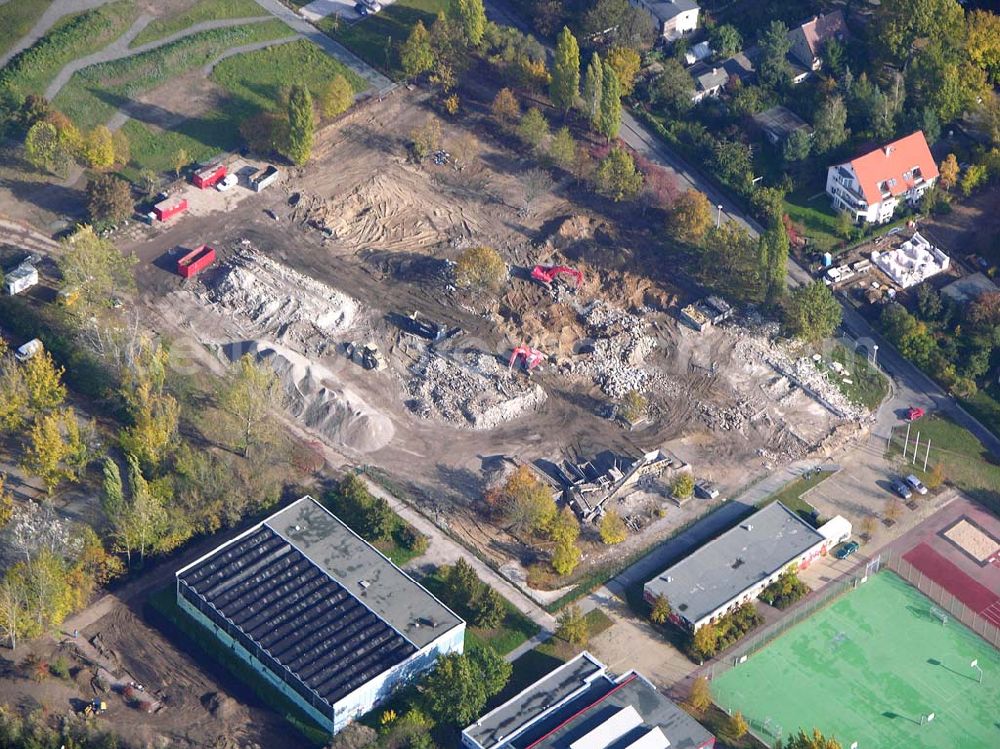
x,y
275,593
580,698
667,9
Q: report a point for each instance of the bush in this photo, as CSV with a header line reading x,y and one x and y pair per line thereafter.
x,y
784,591
710,639
411,539
683,486
60,668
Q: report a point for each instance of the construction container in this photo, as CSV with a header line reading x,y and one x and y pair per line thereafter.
x,y
196,261
209,176
268,177
169,208
28,350
22,277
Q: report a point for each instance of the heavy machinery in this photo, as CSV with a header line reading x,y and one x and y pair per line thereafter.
x,y
367,355
95,707
529,357
546,274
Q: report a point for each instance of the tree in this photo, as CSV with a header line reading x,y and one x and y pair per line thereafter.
x,y
99,148
661,610
797,145
6,502
425,139
122,147
145,518
812,312
633,406
14,395
524,502
902,22
181,160
617,176
683,485
773,70
830,125
488,608
417,55
673,88
613,530
95,270
725,40
565,86
982,42
562,148
733,163
610,117
774,246
43,381
893,510
868,526
617,23
844,224
505,108
109,198
472,19
802,740
593,90
250,392
13,602
155,416
936,477
338,96
41,146
455,690
301,124
738,725
112,490
731,263
493,669
50,446
481,268
627,63
533,128
705,641
572,626
700,697
565,531
690,216
949,172
975,175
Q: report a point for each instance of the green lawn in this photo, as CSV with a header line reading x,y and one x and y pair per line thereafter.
x,y
967,464
868,386
809,208
790,495
865,669
72,37
95,93
985,406
206,10
370,37
16,19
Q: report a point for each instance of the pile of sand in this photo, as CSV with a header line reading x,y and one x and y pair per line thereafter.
x,y
316,398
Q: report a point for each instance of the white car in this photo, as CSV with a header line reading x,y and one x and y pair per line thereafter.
x,y
916,484
227,182
28,350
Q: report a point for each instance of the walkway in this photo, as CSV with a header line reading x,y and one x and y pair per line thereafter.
x,y
336,50
55,11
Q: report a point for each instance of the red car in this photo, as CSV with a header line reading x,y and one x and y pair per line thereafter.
x,y
914,413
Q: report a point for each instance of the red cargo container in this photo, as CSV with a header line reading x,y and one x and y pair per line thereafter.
x,y
209,176
171,207
196,261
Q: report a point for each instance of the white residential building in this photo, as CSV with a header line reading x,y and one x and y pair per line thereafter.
x,y
673,18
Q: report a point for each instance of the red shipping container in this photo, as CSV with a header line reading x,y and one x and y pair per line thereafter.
x,y
168,208
209,176
196,261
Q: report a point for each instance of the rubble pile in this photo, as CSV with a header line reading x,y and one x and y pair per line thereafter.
x,y
279,302
471,389
733,417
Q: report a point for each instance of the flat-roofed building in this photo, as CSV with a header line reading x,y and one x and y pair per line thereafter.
x,y
318,612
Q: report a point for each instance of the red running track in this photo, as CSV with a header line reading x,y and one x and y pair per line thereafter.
x,y
977,597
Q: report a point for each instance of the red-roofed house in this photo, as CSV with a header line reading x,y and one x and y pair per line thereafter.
x,y
809,39
871,186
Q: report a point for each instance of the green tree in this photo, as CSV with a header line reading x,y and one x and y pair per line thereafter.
x,y
830,125
109,198
112,490
617,176
41,145
472,19
488,608
844,224
13,605
610,118
797,145
301,124
338,96
690,216
613,530
94,270
14,395
773,69
816,740
900,23
627,63
673,88
482,269
565,86
725,40
533,128
562,148
705,641
525,502
417,54
99,148
53,443
456,690
683,485
493,668
43,381
982,43
731,262
564,531
733,163
774,251
974,176
593,90
700,697
661,610
572,626
145,518
250,392
812,312
181,160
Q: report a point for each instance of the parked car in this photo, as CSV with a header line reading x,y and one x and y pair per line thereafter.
x,y
901,489
845,550
916,484
361,9
227,182
915,413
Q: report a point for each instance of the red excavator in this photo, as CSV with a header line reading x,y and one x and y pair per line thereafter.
x,y
546,274
530,357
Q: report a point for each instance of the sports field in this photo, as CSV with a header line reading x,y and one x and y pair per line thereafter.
x,y
866,668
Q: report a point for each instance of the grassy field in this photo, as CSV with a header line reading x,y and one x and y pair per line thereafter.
x,y
72,37
371,37
865,669
809,207
206,10
94,94
790,495
868,386
985,406
967,464
16,19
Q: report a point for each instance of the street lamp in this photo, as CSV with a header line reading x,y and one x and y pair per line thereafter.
x,y
975,665
718,221
875,354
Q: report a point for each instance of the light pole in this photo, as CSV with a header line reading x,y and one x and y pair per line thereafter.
x,y
975,665
875,354
718,220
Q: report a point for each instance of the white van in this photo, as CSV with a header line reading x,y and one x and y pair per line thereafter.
x,y
227,182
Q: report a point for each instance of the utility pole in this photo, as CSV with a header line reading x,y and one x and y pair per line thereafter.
x,y
916,446
718,220
927,454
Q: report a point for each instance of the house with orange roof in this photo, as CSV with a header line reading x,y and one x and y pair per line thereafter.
x,y
871,186
809,39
